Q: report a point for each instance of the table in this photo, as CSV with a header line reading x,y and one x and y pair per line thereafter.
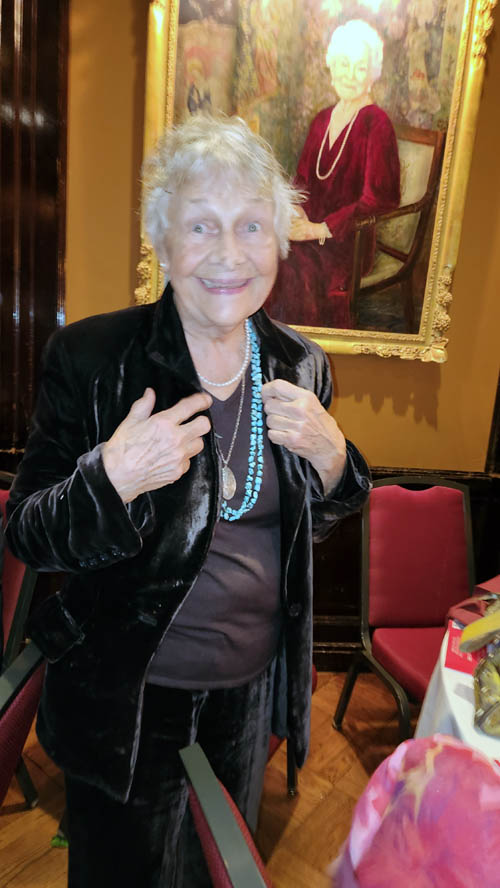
x,y
448,708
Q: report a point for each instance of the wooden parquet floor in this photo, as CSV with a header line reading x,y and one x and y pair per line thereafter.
x,y
297,837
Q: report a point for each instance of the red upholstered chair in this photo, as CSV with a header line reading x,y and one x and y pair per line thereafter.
x,y
417,561
21,674
229,850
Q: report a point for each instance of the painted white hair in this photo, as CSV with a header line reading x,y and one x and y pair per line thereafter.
x,y
209,147
353,33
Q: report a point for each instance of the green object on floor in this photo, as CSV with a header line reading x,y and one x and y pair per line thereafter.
x,y
59,841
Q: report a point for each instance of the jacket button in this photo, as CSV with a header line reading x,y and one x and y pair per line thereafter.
x,y
295,610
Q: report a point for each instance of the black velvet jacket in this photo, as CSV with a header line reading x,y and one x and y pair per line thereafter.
x,y
129,568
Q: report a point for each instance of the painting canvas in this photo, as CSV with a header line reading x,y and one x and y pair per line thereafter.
x,y
361,102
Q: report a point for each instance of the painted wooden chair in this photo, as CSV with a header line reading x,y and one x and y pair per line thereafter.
x,y
400,233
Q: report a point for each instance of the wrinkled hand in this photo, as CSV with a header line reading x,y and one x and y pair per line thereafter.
x,y
297,420
302,229
149,451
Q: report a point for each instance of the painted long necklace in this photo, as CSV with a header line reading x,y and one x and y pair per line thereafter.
x,y
339,155
256,446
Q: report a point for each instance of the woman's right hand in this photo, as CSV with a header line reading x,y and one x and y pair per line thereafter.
x,y
301,228
148,451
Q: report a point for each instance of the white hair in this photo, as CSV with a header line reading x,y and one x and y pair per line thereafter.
x,y
353,33
213,146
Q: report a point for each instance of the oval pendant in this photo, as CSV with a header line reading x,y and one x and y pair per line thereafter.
x,y
228,483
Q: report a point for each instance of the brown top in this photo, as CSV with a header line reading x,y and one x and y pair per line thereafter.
x,y
227,630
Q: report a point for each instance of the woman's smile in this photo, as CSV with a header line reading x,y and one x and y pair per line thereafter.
x,y
227,287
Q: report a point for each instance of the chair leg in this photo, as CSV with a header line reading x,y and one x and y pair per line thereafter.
x,y
25,782
404,716
399,695
291,771
345,696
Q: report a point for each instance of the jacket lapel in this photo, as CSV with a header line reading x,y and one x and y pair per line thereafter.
x,y
168,349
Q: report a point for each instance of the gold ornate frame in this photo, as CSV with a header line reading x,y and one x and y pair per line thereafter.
x,y
429,344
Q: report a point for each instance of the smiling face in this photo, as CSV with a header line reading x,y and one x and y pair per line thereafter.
x,y
222,254
352,72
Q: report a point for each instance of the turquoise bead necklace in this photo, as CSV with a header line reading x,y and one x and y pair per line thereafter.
x,y
256,449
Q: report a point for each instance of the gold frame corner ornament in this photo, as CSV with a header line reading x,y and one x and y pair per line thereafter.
x,y
430,343
482,28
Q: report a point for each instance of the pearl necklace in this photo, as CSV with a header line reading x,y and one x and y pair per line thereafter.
x,y
242,368
256,447
339,155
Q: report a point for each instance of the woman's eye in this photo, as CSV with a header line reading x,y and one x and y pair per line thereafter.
x,y
198,228
253,226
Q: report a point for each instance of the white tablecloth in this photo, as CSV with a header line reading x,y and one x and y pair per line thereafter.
x,y
448,708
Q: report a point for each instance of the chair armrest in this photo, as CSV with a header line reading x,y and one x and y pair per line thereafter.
x,y
238,860
17,674
406,210
16,634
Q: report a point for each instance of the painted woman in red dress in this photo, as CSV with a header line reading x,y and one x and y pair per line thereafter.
x,y
349,167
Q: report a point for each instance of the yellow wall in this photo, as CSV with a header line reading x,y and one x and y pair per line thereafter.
x,y
105,126
400,413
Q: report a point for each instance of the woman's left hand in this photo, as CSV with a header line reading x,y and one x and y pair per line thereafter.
x,y
297,420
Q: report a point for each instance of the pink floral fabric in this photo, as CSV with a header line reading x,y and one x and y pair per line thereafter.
x,y
428,818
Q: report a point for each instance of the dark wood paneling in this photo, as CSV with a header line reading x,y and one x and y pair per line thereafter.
x,y
33,100
337,567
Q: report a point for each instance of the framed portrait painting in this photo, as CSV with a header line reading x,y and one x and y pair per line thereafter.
x,y
371,108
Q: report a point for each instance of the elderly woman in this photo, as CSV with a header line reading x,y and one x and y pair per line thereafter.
x,y
349,168
180,463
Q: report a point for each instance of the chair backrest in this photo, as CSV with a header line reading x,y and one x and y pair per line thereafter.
x,y
419,157
19,697
21,684
230,853
417,551
18,583
12,577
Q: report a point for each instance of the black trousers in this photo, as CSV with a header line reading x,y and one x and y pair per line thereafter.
x,y
150,840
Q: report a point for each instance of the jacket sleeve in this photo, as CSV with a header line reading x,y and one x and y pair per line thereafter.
x,y
355,483
63,512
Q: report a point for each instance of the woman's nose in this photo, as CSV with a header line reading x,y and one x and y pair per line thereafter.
x,y
228,249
